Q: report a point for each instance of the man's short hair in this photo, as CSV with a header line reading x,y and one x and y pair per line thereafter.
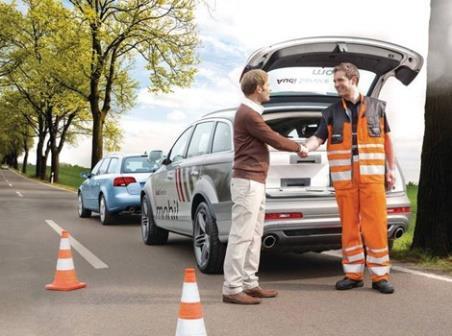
x,y
349,69
252,79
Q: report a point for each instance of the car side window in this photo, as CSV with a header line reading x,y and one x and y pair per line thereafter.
x,y
222,138
113,167
103,167
199,144
178,150
96,168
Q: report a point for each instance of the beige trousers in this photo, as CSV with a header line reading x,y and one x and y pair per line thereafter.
x,y
244,245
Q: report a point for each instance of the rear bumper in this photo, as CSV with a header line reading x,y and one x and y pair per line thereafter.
x,y
123,201
318,235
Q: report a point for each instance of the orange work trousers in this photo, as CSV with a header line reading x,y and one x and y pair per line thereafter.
x,y
364,226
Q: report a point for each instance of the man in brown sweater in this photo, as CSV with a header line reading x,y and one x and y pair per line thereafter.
x,y
251,161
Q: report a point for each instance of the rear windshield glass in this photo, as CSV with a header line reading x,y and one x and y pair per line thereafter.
x,y
296,127
136,164
311,81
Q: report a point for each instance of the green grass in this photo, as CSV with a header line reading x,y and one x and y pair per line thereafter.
x,y
402,246
69,175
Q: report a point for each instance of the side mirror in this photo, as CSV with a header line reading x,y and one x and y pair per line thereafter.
x,y
86,175
166,161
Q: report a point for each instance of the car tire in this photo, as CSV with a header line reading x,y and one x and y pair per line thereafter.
x,y
209,251
82,211
106,217
150,232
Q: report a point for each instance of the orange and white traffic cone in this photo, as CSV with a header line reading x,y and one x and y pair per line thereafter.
x,y
65,277
190,321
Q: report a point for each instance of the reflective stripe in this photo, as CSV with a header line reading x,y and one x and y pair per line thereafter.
x,y
190,293
355,158
65,264
65,244
380,270
371,146
377,250
352,248
341,176
335,163
356,257
372,170
353,268
372,156
375,260
339,152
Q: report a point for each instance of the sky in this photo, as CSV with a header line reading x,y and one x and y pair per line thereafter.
x,y
230,30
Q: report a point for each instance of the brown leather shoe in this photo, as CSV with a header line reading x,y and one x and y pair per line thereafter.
x,y
241,298
259,292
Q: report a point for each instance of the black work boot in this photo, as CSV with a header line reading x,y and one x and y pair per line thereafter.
x,y
347,283
383,286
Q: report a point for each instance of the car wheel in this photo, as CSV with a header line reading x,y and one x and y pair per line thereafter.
x,y
150,232
209,251
106,217
82,211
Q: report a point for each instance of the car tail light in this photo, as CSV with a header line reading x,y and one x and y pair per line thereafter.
x,y
399,210
123,181
283,215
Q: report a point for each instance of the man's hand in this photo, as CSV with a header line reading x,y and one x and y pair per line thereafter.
x,y
304,152
390,179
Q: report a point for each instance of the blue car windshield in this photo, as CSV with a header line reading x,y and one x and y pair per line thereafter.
x,y
136,164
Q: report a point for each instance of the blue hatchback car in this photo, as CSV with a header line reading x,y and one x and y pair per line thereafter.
x,y
113,186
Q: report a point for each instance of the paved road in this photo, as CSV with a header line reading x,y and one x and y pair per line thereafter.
x,y
139,292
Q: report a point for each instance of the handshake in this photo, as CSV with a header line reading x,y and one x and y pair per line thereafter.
x,y
303,151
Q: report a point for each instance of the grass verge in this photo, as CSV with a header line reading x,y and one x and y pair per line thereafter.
x,y
69,175
402,247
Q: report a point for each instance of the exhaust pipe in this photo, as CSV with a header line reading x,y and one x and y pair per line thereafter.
x,y
398,232
269,241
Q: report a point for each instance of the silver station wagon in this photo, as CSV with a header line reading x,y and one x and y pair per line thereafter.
x,y
190,193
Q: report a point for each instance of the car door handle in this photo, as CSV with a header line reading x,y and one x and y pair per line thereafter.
x,y
170,175
194,173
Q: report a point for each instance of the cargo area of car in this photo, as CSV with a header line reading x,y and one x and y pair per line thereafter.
x,y
290,175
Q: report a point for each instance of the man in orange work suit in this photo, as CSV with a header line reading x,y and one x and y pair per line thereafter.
x,y
361,159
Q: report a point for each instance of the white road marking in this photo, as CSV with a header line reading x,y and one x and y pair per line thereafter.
x,y
19,194
82,250
401,269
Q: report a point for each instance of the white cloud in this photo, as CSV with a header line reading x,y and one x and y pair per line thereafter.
x,y
177,116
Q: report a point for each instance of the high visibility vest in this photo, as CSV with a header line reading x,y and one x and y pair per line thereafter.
x,y
370,141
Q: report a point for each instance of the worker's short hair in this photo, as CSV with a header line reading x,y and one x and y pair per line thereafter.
x,y
251,80
349,69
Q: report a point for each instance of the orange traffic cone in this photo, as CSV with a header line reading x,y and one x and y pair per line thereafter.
x,y
190,321
65,277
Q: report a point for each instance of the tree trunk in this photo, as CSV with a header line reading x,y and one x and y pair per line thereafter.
x,y
26,149
55,166
39,148
98,139
433,230
43,171
25,162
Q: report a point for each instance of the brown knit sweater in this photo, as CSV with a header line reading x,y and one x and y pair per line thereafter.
x,y
251,136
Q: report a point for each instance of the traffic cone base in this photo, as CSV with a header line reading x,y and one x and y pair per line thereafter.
x,y
191,328
65,277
